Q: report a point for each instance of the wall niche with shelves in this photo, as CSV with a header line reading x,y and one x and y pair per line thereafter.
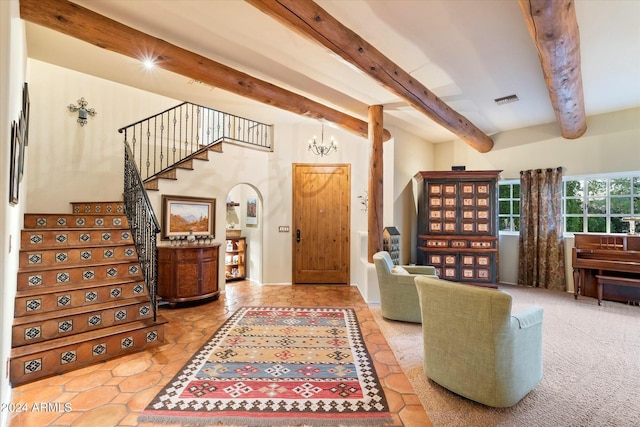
x,y
235,258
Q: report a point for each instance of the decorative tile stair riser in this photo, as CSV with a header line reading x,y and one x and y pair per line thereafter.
x,y
81,295
277,366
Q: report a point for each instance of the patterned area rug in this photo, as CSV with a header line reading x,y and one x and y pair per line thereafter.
x,y
277,366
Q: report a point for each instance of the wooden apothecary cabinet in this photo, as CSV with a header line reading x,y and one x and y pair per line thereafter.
x,y
458,224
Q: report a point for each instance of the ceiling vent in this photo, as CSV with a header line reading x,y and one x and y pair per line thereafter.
x,y
506,99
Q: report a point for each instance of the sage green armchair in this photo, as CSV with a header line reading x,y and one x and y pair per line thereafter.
x,y
398,295
473,344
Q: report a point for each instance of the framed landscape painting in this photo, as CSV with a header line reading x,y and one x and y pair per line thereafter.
x,y
182,215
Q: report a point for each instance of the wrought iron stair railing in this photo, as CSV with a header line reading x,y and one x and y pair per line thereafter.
x,y
143,223
161,141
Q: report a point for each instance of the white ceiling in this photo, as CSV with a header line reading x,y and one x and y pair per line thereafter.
x,y
467,52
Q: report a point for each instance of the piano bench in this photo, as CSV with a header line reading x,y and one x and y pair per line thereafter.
x,y
615,280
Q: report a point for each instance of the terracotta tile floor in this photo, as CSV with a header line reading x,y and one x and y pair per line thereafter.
x,y
113,393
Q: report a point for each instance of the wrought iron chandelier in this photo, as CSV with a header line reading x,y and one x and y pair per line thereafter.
x,y
322,149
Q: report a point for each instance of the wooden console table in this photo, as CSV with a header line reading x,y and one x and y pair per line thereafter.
x,y
188,273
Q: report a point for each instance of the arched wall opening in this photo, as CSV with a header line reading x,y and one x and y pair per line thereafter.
x,y
244,218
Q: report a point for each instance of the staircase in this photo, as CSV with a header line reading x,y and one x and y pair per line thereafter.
x,y
174,138
170,173
81,296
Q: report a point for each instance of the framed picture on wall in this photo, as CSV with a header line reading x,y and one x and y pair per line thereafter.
x,y
26,106
22,133
252,211
183,215
16,159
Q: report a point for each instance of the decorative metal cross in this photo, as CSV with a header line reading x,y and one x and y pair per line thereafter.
x,y
82,110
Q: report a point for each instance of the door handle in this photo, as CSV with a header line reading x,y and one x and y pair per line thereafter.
x,y
298,235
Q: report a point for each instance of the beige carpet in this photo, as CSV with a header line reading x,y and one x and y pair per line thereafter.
x,y
591,367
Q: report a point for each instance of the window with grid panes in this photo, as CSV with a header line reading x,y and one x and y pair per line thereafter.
x,y
590,203
598,204
509,205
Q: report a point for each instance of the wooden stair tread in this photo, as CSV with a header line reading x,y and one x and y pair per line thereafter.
x,y
43,346
39,290
151,183
49,214
107,202
49,315
168,174
78,229
201,155
40,267
184,164
42,247
216,147
157,178
56,227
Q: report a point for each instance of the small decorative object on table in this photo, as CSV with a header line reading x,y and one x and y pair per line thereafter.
x,y
391,243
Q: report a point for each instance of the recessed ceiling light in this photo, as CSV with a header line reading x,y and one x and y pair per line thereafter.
x,y
148,63
506,99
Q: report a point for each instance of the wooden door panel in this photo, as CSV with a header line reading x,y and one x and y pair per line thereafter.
x,y
187,274
321,214
209,271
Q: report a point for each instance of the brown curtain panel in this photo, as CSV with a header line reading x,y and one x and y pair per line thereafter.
x,y
541,245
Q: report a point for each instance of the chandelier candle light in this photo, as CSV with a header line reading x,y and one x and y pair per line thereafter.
x,y
321,149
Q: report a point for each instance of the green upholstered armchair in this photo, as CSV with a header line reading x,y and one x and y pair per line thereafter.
x,y
398,295
473,344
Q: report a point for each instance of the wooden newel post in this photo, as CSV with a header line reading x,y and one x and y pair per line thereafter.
x,y
375,192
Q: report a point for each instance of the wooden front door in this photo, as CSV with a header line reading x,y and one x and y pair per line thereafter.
x,y
321,223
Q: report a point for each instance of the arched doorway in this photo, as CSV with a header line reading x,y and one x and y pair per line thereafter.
x,y
244,219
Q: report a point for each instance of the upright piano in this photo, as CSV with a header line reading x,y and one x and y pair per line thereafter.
x,y
607,266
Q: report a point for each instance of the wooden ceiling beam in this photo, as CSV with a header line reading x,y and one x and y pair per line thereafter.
x,y
81,23
553,27
309,19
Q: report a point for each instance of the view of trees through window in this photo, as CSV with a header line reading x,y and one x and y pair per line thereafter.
x,y
509,206
591,204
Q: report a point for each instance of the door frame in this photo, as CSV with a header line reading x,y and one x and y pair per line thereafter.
x,y
347,233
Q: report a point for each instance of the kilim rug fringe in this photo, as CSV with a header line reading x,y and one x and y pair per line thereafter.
x,y
277,366
266,422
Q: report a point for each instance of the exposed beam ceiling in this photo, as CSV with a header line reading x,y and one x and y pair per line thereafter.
x,y
84,24
468,53
309,19
553,26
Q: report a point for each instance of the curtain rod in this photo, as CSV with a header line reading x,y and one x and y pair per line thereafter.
x,y
559,169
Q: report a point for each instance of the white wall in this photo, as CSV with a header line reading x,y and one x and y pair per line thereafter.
x,y
410,156
13,66
253,233
69,162
610,144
